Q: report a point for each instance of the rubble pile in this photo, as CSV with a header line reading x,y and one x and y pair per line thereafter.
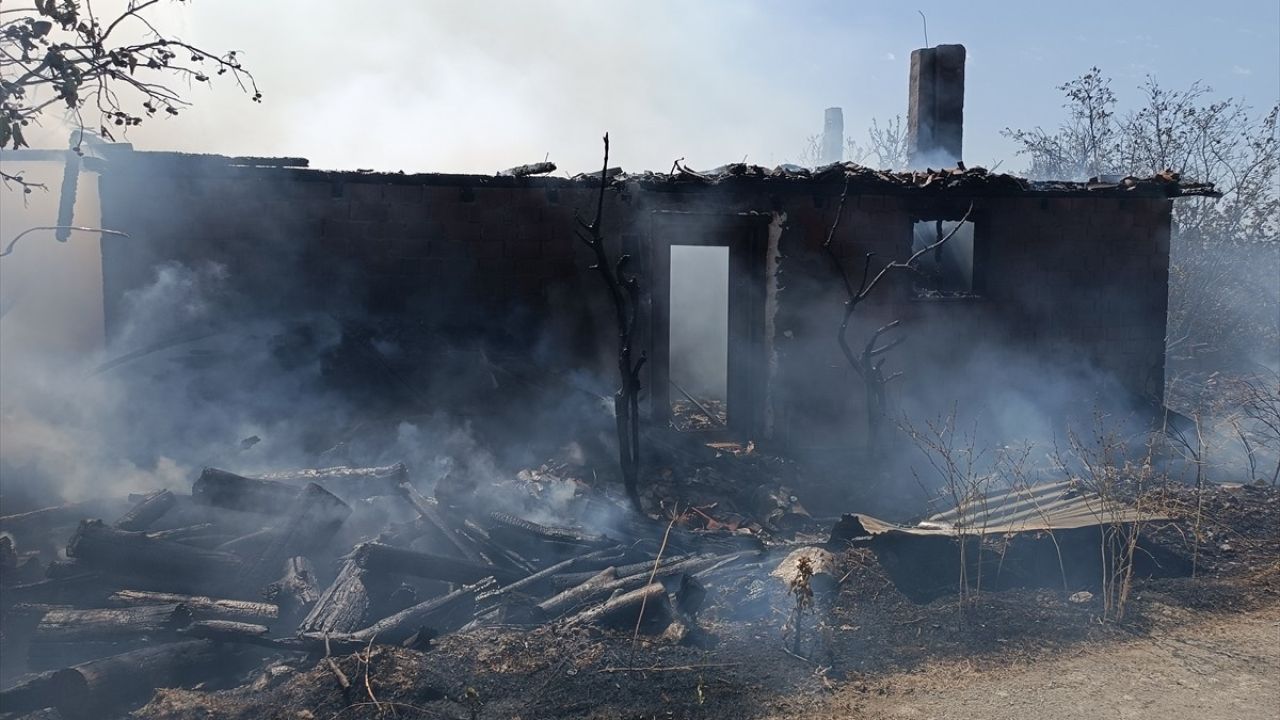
x,y
320,563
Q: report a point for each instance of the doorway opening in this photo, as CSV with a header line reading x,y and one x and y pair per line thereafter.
x,y
699,337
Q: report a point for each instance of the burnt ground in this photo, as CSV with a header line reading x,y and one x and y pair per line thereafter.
x,y
885,650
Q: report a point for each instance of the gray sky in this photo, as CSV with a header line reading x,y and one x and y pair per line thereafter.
x,y
480,85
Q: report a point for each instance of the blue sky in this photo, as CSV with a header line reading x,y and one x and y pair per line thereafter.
x,y
481,85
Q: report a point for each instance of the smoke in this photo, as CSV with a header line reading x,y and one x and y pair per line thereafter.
x,y
700,319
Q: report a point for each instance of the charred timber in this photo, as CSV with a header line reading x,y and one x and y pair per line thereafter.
x,y
580,594
134,554
434,523
568,580
344,606
438,615
145,513
381,558
541,579
219,488
92,689
602,586
68,625
200,607
648,607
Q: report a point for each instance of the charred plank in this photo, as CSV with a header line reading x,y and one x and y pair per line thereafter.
x,y
151,509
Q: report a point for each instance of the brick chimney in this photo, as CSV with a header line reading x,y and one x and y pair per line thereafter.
x,y
935,111
833,136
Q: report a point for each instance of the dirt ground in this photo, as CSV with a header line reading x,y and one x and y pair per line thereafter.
x,y
1225,667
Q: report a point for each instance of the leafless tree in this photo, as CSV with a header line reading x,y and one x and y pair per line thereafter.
x,y
1224,303
1085,144
107,73
868,363
624,291
886,145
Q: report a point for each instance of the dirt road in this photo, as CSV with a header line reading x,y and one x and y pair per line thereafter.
x,y
1219,668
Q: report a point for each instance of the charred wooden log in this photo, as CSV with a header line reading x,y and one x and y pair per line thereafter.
x,y
151,509
541,579
134,554
398,561
598,588
568,580
199,606
93,689
439,615
223,489
493,552
316,516
648,607
580,594
348,483
344,606
228,631
68,625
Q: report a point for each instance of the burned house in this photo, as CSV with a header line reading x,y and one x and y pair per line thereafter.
x,y
1041,279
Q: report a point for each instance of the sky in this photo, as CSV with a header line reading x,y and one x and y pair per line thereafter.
x,y
480,85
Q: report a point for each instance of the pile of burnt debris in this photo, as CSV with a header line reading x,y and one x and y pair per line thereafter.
x,y
209,588
319,562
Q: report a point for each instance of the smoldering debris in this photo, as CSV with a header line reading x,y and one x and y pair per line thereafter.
x,y
317,561
348,569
